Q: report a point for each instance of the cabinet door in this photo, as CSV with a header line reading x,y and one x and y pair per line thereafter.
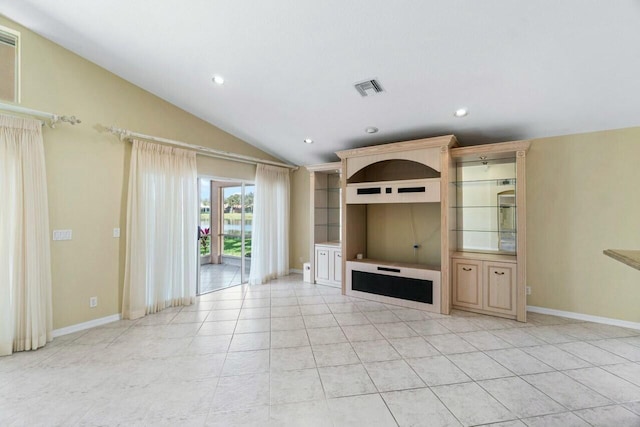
x,y
467,283
322,263
500,287
337,266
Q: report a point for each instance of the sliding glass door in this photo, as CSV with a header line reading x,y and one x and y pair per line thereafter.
x,y
226,219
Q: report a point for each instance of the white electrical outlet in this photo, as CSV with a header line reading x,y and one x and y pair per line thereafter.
x,y
62,234
528,290
93,302
116,232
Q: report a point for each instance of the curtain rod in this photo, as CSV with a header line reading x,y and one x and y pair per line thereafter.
x,y
53,118
206,151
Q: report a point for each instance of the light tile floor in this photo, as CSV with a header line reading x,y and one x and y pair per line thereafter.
x,y
292,354
218,276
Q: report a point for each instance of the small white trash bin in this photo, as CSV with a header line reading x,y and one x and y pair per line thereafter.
x,y
306,272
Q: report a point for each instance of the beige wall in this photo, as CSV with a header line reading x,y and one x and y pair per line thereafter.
x,y
87,168
390,235
299,233
583,196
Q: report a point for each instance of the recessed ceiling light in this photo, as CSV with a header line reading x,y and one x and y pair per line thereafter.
x,y
461,112
218,79
371,129
308,141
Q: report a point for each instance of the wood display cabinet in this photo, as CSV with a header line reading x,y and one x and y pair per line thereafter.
x,y
484,285
396,238
326,223
488,222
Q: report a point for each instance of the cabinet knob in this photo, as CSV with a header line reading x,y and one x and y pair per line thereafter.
x,y
499,273
467,269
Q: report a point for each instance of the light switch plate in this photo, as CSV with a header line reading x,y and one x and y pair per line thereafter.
x,y
62,234
116,232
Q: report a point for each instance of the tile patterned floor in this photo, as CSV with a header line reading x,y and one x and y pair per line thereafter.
x,y
218,276
292,354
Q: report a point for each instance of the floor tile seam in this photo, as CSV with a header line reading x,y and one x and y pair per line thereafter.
x,y
514,415
513,374
576,412
603,367
598,348
551,368
584,385
565,409
610,373
388,408
558,348
475,346
610,351
442,403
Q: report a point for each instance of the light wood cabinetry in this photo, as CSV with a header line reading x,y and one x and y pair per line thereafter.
x,y
326,223
489,229
402,190
484,286
499,287
467,283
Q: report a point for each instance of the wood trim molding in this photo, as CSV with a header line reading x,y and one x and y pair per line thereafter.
x,y
417,144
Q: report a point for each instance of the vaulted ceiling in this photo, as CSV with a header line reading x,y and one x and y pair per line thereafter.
x,y
523,69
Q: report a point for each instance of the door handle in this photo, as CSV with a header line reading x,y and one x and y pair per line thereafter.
x,y
467,269
499,273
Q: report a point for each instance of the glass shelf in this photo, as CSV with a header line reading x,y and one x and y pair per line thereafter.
x,y
485,206
466,230
497,181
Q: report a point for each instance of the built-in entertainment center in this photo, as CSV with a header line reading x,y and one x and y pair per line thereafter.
x,y
430,225
396,236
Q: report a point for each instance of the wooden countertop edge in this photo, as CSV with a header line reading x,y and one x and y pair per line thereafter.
x,y
631,258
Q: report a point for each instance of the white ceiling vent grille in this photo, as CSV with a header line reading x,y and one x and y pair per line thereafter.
x,y
369,87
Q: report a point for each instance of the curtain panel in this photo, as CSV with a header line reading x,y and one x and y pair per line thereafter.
x,y
162,223
26,319
270,241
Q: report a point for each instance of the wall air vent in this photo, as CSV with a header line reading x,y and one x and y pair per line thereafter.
x,y
369,87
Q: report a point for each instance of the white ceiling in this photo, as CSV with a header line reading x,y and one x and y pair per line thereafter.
x,y
523,68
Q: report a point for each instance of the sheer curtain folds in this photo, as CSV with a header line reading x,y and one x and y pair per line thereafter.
x,y
162,221
270,245
25,261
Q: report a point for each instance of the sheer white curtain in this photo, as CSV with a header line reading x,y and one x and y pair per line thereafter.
x,y
270,240
162,227
25,260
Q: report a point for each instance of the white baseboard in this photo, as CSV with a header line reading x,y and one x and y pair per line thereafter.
x,y
295,271
86,325
585,317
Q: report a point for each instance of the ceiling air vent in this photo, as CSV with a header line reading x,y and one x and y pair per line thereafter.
x,y
369,87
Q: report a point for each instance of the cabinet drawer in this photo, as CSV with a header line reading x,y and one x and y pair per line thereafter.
x,y
467,283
